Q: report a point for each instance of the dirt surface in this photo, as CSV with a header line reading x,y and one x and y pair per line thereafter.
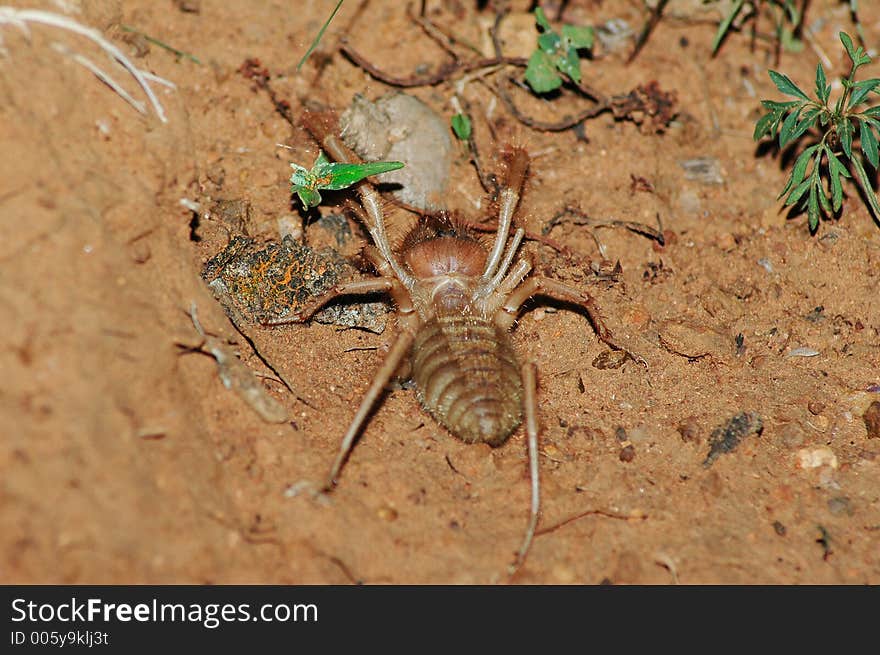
x,y
124,459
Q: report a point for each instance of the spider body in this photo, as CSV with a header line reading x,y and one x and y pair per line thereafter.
x,y
457,300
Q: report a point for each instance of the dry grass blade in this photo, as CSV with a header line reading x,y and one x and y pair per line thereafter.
x,y
20,19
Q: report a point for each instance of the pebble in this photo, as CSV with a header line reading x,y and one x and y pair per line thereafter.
x,y
840,505
810,458
689,429
791,435
815,407
726,241
705,170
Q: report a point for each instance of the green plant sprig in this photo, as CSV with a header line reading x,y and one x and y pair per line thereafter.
x,y
556,52
780,11
791,119
332,176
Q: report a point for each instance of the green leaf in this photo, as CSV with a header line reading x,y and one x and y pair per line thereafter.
x,y
541,17
765,125
342,176
549,42
869,143
461,125
800,168
845,133
872,111
823,89
788,125
835,170
860,91
578,37
798,192
824,202
725,24
813,208
807,121
786,86
570,64
308,197
856,55
541,73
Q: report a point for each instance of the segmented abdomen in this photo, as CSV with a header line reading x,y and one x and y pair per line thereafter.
x,y
468,378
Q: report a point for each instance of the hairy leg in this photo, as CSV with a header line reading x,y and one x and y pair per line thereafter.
x,y
543,286
530,405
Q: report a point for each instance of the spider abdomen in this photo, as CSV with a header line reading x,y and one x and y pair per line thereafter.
x,y
468,377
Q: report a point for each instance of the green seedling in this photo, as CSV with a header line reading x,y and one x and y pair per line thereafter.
x,y
557,52
791,119
332,176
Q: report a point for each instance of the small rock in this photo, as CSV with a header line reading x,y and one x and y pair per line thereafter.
x,y
689,429
726,241
815,407
387,513
400,127
872,420
705,170
778,528
840,505
810,458
791,435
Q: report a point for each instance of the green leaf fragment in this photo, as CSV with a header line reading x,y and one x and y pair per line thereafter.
x,y
570,65
860,91
549,42
725,24
798,191
813,208
308,197
788,127
541,73
823,89
800,168
578,37
341,176
786,86
461,125
541,17
869,143
845,133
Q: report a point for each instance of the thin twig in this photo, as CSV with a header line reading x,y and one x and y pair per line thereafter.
x,y
444,73
651,23
558,126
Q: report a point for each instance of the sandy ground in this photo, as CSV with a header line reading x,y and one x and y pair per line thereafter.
x,y
123,459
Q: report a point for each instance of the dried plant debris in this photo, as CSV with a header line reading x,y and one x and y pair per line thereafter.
x,y
267,281
726,438
236,376
401,127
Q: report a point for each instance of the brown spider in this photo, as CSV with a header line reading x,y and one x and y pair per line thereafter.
x,y
457,301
